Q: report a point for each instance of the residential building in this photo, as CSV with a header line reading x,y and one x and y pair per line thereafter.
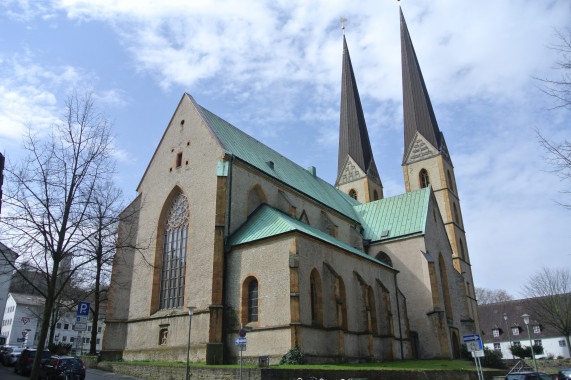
x,y
503,326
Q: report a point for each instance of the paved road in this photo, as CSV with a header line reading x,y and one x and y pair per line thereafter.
x,y
7,373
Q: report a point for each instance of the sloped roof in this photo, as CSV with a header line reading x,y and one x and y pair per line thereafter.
x,y
402,215
492,316
28,299
246,148
417,108
353,135
268,222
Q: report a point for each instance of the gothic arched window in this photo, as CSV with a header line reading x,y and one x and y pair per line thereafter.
x,y
315,297
173,267
384,258
250,300
353,193
424,180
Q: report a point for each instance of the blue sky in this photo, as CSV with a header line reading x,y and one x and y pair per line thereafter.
x,y
273,69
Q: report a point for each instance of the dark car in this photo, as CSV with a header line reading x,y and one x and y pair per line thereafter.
x,y
528,376
63,367
24,363
564,374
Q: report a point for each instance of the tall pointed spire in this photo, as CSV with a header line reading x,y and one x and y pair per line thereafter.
x,y
418,112
353,136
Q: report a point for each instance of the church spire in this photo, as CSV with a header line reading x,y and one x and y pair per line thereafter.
x,y
417,108
353,136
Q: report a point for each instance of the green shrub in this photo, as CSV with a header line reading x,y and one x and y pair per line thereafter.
x,y
60,348
523,352
492,359
293,356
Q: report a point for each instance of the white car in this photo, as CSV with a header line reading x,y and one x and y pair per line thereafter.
x,y
12,355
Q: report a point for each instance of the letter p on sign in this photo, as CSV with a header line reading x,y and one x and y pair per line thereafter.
x,y
83,308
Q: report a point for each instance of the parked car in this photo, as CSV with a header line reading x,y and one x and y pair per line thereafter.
x,y
24,363
564,374
11,355
62,367
528,376
3,350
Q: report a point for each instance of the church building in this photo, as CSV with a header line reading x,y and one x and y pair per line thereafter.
x,y
226,235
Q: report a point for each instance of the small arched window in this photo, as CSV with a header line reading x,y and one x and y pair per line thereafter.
x,y
462,249
315,298
384,258
353,193
456,218
375,195
450,185
250,300
424,179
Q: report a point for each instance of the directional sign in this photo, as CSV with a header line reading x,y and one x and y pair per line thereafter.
x,y
470,338
239,341
81,319
20,340
83,308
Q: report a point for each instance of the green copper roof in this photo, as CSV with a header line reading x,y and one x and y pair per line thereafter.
x,y
267,222
402,216
267,160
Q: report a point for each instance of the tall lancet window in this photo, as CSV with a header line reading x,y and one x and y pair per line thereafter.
x,y
174,254
424,180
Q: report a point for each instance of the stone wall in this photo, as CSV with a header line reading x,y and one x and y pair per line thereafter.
x,y
165,372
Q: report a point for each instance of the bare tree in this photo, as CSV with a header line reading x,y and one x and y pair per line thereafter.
x,y
48,196
550,290
560,89
559,159
486,296
100,247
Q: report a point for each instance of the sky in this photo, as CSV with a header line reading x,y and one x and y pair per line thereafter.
x,y
273,69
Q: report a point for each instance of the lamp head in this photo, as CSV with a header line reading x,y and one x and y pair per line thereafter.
x,y
525,319
505,317
191,309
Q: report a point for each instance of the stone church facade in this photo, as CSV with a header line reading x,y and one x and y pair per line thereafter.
x,y
249,239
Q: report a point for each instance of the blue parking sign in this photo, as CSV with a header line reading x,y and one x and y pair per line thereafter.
x,y
83,308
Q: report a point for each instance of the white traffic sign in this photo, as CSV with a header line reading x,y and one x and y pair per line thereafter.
x,y
81,319
478,354
473,346
241,347
80,327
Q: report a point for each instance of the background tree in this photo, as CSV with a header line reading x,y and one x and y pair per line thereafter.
x,y
100,247
48,195
559,153
550,290
560,89
486,296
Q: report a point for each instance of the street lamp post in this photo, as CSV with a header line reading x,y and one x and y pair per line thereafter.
x,y
508,330
190,312
526,321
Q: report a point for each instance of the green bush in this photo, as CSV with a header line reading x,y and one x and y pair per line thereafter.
x,y
60,348
492,359
525,351
293,356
